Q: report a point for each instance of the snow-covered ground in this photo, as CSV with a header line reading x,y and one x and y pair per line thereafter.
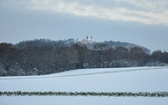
x,y
136,79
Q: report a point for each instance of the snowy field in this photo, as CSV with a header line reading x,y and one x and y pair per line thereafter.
x,y
136,79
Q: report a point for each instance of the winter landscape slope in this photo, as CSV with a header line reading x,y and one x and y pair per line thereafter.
x,y
137,79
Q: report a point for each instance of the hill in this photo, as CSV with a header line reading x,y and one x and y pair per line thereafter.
x,y
39,57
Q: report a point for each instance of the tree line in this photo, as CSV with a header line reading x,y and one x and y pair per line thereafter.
x,y
40,57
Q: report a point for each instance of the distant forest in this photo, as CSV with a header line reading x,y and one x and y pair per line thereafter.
x,y
38,57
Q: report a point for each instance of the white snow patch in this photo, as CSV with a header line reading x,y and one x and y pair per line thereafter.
x,y
136,79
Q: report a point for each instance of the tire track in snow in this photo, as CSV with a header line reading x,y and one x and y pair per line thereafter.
x,y
109,72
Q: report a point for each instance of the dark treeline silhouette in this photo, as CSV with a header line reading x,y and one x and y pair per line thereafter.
x,y
40,57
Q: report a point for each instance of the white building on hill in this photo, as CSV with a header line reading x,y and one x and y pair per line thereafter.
x,y
87,40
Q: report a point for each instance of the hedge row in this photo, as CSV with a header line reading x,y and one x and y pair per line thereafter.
x,y
109,94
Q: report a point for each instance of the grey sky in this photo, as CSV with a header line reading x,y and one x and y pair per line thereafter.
x,y
141,22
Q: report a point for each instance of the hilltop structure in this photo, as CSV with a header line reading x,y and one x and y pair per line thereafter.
x,y
87,40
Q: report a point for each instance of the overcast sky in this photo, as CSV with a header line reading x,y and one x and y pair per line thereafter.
x,y
143,22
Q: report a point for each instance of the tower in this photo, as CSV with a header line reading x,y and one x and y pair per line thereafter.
x,y
87,37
